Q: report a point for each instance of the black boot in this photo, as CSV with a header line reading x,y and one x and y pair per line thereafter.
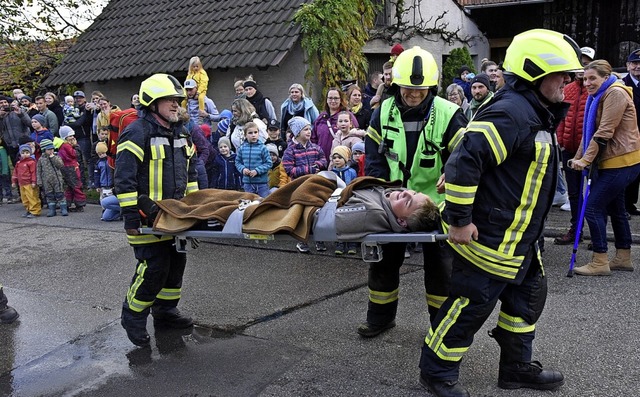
x,y
170,317
444,388
368,330
529,375
516,368
136,326
7,313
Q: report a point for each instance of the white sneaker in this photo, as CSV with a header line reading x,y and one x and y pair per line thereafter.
x,y
566,206
302,247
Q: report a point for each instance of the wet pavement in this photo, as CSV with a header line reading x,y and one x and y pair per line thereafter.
x,y
273,322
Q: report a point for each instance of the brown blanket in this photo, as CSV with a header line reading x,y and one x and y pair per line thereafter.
x,y
289,209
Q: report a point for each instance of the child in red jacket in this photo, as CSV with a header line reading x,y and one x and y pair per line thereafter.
x,y
24,176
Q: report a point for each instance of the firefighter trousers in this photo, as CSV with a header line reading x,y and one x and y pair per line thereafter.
x,y
158,277
472,299
384,280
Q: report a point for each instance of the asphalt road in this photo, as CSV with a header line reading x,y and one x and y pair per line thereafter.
x,y
273,322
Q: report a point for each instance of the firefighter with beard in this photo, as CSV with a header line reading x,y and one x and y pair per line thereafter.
x,y
501,179
153,162
407,140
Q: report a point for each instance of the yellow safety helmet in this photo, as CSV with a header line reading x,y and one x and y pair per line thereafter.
x,y
538,52
415,68
158,86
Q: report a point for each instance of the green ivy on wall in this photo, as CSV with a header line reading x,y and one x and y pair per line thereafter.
x,y
333,34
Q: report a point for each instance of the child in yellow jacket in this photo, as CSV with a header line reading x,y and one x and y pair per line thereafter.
x,y
197,73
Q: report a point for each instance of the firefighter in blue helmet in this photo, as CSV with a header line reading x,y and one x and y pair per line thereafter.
x,y
500,182
153,162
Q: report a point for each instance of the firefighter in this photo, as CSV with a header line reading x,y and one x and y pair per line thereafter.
x,y
407,140
153,162
500,182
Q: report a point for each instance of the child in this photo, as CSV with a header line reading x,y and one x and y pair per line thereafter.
x,y
50,178
358,158
273,130
340,166
40,132
197,73
253,161
70,112
226,176
346,134
71,170
302,157
277,175
103,179
24,176
340,156
103,135
222,127
6,196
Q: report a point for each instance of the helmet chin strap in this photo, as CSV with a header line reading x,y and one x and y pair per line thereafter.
x,y
152,109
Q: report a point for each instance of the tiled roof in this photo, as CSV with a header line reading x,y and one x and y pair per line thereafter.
x,y
139,38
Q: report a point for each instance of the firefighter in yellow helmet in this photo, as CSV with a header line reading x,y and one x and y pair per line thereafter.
x,y
153,162
407,140
500,182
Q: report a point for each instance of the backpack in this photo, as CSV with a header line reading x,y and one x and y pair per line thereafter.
x,y
118,121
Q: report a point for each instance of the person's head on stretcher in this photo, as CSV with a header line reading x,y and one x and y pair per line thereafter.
x,y
413,210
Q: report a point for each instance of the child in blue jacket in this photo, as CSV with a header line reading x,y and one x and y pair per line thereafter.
x,y
254,162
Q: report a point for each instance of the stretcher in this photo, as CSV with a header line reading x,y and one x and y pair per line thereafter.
x,y
371,244
323,229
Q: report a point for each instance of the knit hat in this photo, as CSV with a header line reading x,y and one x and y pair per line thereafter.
x,y
101,147
272,148
25,147
463,68
482,79
226,114
206,130
358,147
27,97
224,141
297,123
223,126
66,131
397,49
342,151
40,119
46,144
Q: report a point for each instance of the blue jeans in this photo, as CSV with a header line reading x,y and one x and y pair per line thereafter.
x,y
261,189
607,198
111,209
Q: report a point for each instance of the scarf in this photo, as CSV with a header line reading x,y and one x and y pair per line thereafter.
x,y
591,111
355,109
294,108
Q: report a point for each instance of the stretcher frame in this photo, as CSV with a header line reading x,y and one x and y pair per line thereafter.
x,y
371,245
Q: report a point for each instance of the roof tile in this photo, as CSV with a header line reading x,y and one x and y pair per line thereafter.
x,y
139,38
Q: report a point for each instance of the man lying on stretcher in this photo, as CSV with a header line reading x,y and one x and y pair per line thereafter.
x,y
367,205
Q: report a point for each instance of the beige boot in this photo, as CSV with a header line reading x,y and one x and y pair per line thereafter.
x,y
622,261
599,266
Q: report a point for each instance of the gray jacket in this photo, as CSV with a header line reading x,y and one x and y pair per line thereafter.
x,y
13,126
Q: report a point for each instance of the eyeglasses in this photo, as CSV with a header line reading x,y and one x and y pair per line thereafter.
x,y
453,95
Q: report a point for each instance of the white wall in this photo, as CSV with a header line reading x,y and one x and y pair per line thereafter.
x,y
273,83
478,45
